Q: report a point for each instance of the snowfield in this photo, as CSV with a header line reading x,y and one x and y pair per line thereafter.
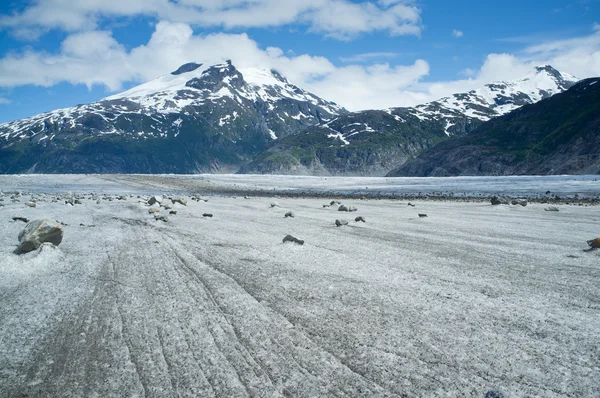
x,y
469,299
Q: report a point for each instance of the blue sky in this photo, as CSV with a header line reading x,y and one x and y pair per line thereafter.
x,y
361,54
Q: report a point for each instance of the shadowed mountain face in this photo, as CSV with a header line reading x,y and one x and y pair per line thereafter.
x,y
560,135
220,118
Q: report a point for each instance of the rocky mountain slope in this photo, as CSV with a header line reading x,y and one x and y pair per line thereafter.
x,y
197,119
375,142
560,135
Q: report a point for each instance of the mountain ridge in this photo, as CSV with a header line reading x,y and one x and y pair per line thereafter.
x,y
560,135
375,142
218,118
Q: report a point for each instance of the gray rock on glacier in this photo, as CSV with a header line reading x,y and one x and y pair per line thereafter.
x,y
37,232
292,239
155,199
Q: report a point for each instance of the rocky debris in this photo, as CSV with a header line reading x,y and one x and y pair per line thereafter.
x,y
98,201
181,201
17,218
342,208
274,204
158,217
122,197
594,244
155,199
551,208
31,204
359,219
422,215
326,205
37,232
153,210
290,238
173,212
334,202
410,204
352,208
339,223
207,215
498,200
289,214
519,202
494,394
167,206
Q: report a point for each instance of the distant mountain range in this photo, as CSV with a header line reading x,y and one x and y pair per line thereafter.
x,y
218,118
560,135
377,141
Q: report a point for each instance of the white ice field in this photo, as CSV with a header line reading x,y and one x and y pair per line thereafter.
x,y
470,299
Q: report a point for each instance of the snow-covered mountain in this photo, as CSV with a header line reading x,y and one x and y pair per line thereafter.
x,y
371,142
500,97
222,116
218,118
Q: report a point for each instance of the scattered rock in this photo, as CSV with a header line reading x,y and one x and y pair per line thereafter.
x,y
359,219
274,205
207,215
153,210
173,212
37,232
289,214
155,199
290,238
167,206
422,215
182,201
594,243
339,223
342,208
31,204
519,202
17,218
497,200
352,208
158,217
326,205
411,205
494,394
551,208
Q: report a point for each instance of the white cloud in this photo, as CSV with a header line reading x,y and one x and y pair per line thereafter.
x,y
341,19
596,27
96,58
457,33
4,101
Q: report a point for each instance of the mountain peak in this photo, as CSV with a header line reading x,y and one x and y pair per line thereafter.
x,y
185,68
